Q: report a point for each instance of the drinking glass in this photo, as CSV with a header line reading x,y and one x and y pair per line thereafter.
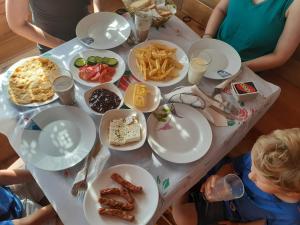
x,y
198,67
227,188
143,21
64,87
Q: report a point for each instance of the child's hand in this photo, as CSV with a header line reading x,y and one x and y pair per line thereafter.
x,y
209,184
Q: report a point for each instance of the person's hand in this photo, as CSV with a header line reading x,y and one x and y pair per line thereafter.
x,y
226,222
209,184
206,36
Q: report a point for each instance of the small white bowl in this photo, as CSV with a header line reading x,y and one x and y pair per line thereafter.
x,y
250,91
108,86
118,114
153,98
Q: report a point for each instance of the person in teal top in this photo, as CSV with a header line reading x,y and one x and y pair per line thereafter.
x,y
264,32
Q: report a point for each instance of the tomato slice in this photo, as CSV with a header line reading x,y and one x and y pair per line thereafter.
x,y
111,70
87,72
105,76
96,77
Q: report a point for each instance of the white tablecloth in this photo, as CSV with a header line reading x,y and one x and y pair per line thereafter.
x,y
172,179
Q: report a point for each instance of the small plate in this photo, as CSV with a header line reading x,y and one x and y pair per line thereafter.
x,y
117,114
180,55
58,138
179,133
120,68
225,60
108,86
10,71
145,202
152,99
103,30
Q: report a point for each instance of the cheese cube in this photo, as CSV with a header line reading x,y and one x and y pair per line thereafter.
x,y
133,132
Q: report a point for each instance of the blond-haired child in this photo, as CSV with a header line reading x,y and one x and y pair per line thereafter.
x,y
271,176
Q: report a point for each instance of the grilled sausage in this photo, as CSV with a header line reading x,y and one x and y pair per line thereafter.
x,y
116,204
126,184
117,191
116,213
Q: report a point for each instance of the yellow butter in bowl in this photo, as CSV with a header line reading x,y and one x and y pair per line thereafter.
x,y
140,95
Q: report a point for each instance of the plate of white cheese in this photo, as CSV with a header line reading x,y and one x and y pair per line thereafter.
x,y
123,129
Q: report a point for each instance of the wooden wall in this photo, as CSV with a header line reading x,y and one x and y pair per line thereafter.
x,y
11,44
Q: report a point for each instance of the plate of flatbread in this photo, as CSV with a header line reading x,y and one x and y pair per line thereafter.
x,y
29,81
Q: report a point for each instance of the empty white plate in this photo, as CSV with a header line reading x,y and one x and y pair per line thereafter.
x,y
179,133
225,60
58,138
145,202
103,30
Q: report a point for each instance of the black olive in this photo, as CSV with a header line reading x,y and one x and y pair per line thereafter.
x,y
103,100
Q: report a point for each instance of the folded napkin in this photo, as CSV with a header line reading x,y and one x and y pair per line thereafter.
x,y
191,95
98,157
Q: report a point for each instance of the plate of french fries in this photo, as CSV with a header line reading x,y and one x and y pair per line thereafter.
x,y
159,63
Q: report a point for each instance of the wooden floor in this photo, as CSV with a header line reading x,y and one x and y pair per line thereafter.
x,y
285,113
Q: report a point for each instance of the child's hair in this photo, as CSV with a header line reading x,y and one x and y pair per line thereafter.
x,y
277,157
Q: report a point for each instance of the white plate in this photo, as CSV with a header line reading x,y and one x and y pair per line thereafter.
x,y
58,138
10,71
145,203
120,68
153,98
184,136
107,29
223,57
117,114
180,55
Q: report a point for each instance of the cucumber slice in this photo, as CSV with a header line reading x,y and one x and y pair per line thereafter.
x,y
99,59
112,62
79,62
105,60
91,60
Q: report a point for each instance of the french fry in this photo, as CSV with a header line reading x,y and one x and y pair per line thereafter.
x,y
157,62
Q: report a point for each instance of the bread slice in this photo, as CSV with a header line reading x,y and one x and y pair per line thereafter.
x,y
139,5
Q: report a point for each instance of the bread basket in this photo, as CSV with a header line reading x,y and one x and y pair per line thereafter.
x,y
162,10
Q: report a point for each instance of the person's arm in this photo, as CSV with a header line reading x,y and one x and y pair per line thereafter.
x,y
17,176
216,19
209,184
257,222
17,19
287,43
37,218
96,5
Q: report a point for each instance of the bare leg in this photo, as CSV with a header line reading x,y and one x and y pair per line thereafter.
x,y
184,212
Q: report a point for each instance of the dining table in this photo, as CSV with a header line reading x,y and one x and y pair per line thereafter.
x,y
173,179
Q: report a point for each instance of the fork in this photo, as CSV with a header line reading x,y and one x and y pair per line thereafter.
x,y
80,187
